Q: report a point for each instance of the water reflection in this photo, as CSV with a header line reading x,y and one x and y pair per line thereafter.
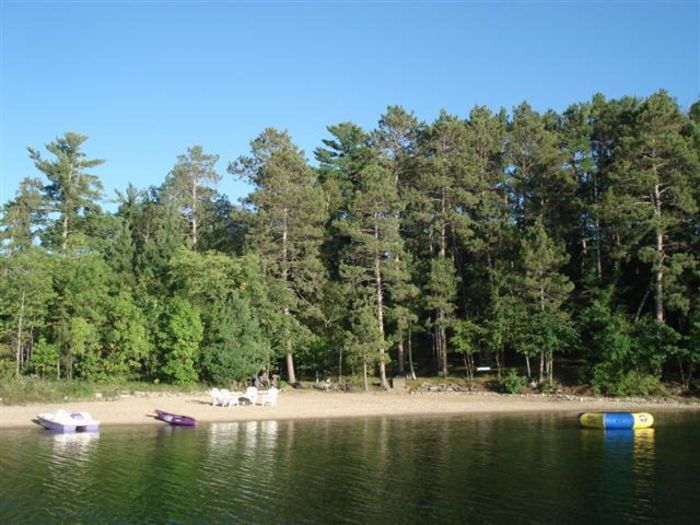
x,y
471,469
644,449
222,436
626,469
71,447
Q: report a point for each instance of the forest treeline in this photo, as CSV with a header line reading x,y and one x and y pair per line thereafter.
x,y
412,247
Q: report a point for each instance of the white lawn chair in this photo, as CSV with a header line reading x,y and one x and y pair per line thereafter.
x,y
250,395
216,398
269,398
228,398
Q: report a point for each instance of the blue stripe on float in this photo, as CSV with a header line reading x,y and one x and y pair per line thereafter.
x,y
618,421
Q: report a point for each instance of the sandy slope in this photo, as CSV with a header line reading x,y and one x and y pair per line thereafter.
x,y
135,410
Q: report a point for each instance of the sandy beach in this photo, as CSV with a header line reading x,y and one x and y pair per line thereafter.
x,y
292,404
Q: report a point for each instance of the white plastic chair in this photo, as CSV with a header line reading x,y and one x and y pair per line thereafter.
x,y
216,397
250,394
269,398
228,399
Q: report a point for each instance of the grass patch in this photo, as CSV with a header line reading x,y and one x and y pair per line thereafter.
x,y
36,390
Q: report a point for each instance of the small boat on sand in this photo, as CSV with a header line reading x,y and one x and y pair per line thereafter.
x,y
63,421
176,419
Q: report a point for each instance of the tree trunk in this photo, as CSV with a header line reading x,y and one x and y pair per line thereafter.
x,y
442,334
599,263
364,374
64,218
290,358
340,365
285,277
194,212
542,353
401,357
443,344
410,356
659,257
469,366
19,335
527,364
64,234
380,311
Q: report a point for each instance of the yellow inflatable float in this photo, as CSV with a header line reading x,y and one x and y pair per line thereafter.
x,y
616,420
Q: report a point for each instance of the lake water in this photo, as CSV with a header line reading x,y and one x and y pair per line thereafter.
x,y
467,469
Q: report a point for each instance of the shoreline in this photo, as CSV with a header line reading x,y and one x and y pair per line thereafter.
x,y
308,405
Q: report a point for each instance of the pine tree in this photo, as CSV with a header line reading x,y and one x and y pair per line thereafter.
x,y
340,161
540,185
71,191
440,211
286,229
189,182
22,216
655,180
545,290
396,141
374,244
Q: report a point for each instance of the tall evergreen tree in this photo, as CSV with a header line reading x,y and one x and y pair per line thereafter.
x,y
440,209
368,260
286,229
656,180
545,290
189,182
340,160
396,140
22,216
71,191
539,183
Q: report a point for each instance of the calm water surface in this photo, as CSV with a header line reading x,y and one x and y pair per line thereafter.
x,y
469,469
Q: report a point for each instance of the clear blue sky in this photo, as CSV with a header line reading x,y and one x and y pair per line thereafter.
x,y
145,80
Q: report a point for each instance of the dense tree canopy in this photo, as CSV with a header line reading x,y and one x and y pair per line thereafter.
x,y
560,237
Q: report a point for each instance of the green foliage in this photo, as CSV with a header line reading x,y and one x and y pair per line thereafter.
x,y
178,341
26,292
512,383
631,383
22,216
72,192
286,231
45,359
364,342
468,337
525,234
32,389
545,332
626,356
236,347
441,289
188,187
126,342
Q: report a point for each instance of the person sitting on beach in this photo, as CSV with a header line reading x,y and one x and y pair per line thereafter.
x,y
262,380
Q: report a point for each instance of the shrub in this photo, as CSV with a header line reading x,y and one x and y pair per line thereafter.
x,y
631,383
513,383
550,387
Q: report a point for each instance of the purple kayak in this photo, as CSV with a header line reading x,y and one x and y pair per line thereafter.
x,y
176,419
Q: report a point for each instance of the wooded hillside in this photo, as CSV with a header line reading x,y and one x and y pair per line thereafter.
x,y
514,239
